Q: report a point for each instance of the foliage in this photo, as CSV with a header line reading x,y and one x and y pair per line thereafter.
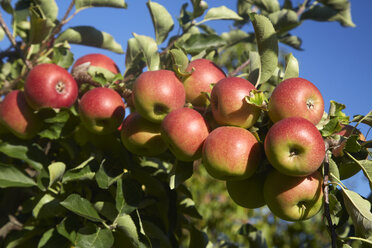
x,y
68,187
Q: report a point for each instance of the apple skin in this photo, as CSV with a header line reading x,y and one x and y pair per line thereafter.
x,y
293,198
184,131
141,136
294,146
102,110
296,97
231,153
229,106
248,193
157,93
50,86
99,60
203,73
18,117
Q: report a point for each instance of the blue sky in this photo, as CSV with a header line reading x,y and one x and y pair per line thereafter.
x,y
336,59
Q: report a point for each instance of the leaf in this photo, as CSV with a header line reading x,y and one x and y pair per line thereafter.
x,y
47,206
56,171
182,172
198,238
89,36
68,228
107,209
49,8
149,49
267,43
94,236
257,98
81,206
80,4
197,43
41,26
367,119
253,235
254,67
267,5
156,234
76,175
292,41
180,62
331,127
221,13
127,231
335,110
107,175
284,20
2,34
292,68
63,56
10,176
162,21
359,210
199,8
366,166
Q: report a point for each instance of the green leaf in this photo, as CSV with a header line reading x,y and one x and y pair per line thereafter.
x,y
221,13
366,166
80,4
254,67
180,62
90,36
198,238
49,8
100,75
154,232
94,236
254,236
182,172
47,206
331,127
2,34
149,49
56,171
333,168
46,236
41,26
199,8
126,232
10,176
63,56
267,5
133,58
267,43
162,21
257,98
107,209
359,210
292,41
81,206
367,119
292,68
335,110
107,175
55,123
68,228
197,43
284,20
323,13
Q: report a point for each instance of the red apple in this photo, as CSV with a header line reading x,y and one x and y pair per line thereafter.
x,y
102,110
157,93
231,153
98,60
184,131
18,117
296,97
203,73
248,193
50,86
293,198
294,146
141,136
228,103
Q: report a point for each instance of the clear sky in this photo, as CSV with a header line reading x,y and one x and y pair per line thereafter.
x,y
336,59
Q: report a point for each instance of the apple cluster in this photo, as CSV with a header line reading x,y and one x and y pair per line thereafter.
x,y
201,115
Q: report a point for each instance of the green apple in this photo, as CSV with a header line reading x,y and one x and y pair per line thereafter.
x,y
141,136
294,146
204,73
184,131
248,193
296,97
293,198
102,110
228,103
157,93
231,153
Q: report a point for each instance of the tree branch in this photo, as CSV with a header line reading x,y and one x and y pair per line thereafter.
x,y
326,202
240,68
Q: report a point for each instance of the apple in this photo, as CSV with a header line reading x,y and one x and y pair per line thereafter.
x,y
293,198
294,146
184,131
231,153
228,103
141,136
102,110
18,117
248,193
81,66
296,97
157,93
204,73
50,86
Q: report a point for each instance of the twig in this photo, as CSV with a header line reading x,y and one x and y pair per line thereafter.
x,y
176,39
302,8
13,41
240,68
326,202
